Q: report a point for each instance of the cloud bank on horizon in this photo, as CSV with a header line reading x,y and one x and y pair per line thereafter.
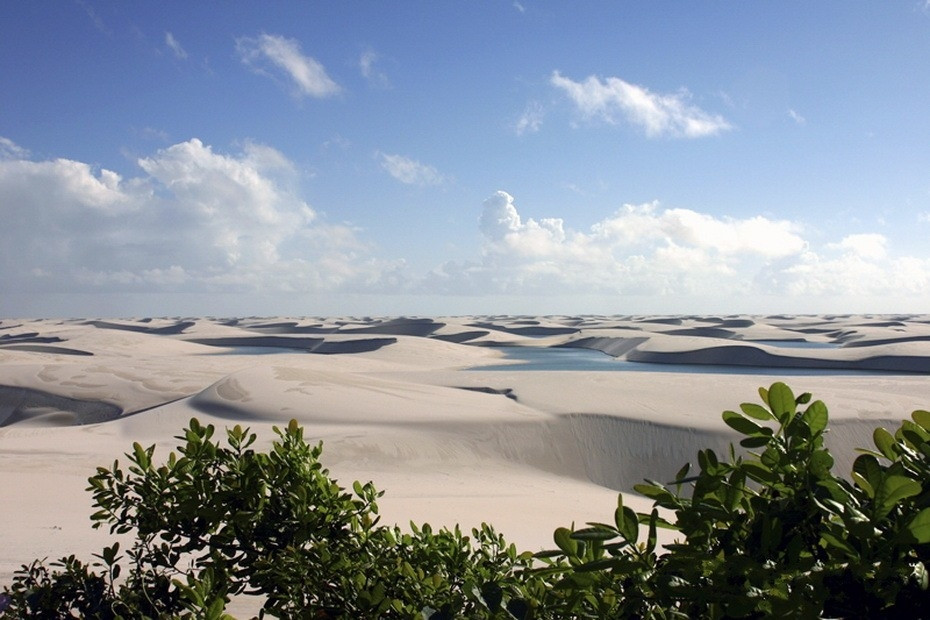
x,y
198,221
263,170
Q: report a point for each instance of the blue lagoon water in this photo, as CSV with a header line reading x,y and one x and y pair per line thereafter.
x,y
591,360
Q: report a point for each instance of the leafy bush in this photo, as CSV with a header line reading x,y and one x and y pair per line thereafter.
x,y
768,532
216,521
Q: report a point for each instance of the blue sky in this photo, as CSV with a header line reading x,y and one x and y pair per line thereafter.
x,y
311,158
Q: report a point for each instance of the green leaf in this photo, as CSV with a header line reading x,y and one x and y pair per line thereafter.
x,y
770,458
893,490
821,463
922,418
864,484
758,472
618,513
563,540
781,402
215,612
707,460
919,527
839,543
141,456
757,411
867,467
756,441
628,524
599,565
650,490
913,434
885,442
594,533
741,424
816,416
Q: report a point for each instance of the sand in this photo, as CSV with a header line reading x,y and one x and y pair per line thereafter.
x,y
403,402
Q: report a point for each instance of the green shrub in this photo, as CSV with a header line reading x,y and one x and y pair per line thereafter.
x,y
770,531
216,521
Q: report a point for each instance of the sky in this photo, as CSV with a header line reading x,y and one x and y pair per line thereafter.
x,y
449,158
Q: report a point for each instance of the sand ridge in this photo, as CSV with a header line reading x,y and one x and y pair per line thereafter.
x,y
403,401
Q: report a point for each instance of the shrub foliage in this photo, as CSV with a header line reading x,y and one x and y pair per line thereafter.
x,y
769,531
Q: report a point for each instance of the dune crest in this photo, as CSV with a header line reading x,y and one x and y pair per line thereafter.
x,y
409,403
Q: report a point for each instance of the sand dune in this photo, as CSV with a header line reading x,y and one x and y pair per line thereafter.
x,y
403,402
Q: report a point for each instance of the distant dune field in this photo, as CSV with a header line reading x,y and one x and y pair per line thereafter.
x,y
438,412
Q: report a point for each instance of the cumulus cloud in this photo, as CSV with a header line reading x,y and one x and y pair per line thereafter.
x,y
658,115
193,219
851,275
409,171
642,249
648,250
865,245
272,54
175,46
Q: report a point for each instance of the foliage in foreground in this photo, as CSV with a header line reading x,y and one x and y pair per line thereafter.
x,y
769,532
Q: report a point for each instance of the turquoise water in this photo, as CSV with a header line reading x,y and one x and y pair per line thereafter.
x,y
590,360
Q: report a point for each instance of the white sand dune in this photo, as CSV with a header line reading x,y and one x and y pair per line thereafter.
x,y
400,402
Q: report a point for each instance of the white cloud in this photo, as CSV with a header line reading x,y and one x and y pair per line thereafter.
x,y
925,216
193,220
11,150
531,119
656,114
175,46
646,250
865,245
650,252
852,275
797,118
279,53
370,72
410,171
639,249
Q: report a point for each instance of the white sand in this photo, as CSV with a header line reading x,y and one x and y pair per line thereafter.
x,y
386,397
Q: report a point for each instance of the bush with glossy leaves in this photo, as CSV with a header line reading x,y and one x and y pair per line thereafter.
x,y
769,531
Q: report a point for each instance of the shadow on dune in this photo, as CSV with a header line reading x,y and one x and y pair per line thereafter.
x,y
30,338
460,337
621,452
397,327
528,330
614,347
306,345
168,330
41,348
736,355
35,407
